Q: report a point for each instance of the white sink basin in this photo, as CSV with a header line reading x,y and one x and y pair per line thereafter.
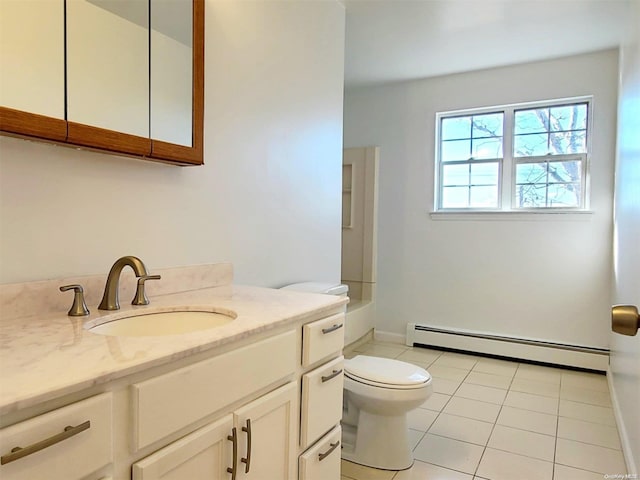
x,y
156,323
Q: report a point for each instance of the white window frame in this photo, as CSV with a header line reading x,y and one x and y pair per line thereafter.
x,y
506,164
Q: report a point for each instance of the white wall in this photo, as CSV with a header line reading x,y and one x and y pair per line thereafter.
x,y
268,198
625,351
502,276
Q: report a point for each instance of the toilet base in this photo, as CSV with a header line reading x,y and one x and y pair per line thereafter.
x,y
380,442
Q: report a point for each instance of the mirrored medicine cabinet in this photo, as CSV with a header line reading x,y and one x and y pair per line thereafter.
x,y
120,76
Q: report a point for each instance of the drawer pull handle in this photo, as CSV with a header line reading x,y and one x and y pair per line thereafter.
x,y
19,452
234,440
247,460
322,456
338,326
334,374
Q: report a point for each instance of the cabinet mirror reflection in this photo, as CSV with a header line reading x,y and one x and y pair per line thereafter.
x,y
125,76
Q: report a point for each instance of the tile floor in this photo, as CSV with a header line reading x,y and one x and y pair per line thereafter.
x,y
501,420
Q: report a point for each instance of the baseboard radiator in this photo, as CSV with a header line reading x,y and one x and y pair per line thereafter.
x,y
541,351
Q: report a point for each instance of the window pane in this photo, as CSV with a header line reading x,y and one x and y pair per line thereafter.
x,y
456,150
454,128
565,171
484,197
564,195
531,173
531,195
489,125
568,142
570,117
530,145
455,174
531,121
487,148
455,197
484,174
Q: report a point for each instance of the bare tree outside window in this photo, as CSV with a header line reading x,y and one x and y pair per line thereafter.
x,y
547,155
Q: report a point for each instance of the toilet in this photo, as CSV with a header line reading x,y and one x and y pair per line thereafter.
x,y
378,394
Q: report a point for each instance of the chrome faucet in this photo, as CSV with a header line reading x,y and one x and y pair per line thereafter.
x,y
110,297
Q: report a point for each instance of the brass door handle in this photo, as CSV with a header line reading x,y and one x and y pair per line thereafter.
x,y
247,460
322,456
19,452
625,319
233,438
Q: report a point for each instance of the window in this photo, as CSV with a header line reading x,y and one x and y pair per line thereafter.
x,y
515,157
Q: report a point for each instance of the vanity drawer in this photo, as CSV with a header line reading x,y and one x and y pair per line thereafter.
x,y
72,453
165,404
322,461
322,339
321,400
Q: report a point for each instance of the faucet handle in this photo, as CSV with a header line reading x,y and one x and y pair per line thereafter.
x,y
141,296
79,307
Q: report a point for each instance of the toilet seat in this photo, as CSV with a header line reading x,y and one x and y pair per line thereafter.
x,y
386,373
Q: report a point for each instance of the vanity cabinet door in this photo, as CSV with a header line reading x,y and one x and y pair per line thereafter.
x,y
268,424
203,455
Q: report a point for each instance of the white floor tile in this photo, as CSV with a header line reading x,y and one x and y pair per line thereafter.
x,y
436,402
457,360
529,401
488,380
419,356
585,395
525,443
414,437
420,419
450,373
427,471
535,387
589,457
360,472
562,472
481,393
386,351
589,413
499,465
449,453
539,373
465,407
461,428
591,381
445,385
588,432
496,367
528,420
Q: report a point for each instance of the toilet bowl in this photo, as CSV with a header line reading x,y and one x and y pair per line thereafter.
x,y
378,394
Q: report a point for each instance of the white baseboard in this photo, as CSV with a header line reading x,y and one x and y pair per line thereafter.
x,y
622,430
388,337
520,348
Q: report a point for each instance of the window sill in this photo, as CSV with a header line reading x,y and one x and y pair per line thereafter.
x,y
528,215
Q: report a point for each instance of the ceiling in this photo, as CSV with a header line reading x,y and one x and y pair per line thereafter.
x,y
395,40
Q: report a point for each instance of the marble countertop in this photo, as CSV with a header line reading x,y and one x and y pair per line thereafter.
x,y
44,357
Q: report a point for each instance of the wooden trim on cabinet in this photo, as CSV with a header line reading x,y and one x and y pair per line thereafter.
x,y
193,155
112,141
31,124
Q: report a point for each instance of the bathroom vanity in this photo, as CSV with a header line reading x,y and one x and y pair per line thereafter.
x,y
259,397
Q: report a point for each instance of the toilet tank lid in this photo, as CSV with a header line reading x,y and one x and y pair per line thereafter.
x,y
318,287
386,370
